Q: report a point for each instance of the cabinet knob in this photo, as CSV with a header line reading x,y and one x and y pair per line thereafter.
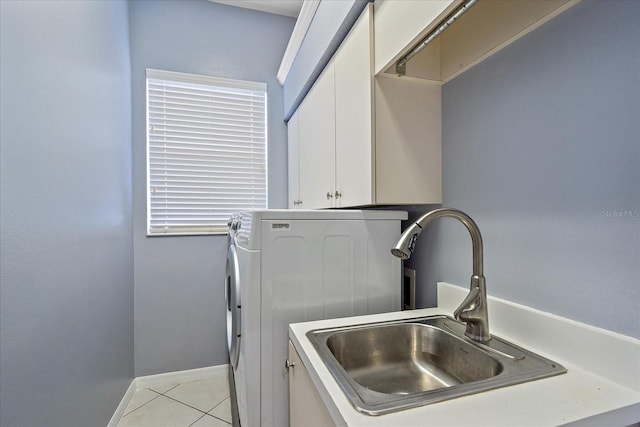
x,y
338,194
297,202
288,364
329,195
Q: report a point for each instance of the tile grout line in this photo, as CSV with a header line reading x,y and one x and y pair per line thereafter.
x,y
197,420
149,388
218,418
193,407
212,416
186,404
218,404
182,403
132,411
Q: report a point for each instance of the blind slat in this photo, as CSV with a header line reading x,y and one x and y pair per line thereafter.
x,y
231,109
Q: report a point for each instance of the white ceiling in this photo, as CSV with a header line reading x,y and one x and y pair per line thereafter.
x,y
280,7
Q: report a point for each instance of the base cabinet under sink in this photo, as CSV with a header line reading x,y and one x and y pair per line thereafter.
x,y
306,408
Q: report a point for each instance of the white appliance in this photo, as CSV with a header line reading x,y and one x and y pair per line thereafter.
x,y
288,266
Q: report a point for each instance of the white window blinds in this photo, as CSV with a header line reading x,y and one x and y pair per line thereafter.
x,y
206,151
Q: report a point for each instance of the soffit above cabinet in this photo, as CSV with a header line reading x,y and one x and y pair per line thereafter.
x,y
331,22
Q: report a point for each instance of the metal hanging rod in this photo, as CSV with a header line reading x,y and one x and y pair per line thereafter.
x,y
401,65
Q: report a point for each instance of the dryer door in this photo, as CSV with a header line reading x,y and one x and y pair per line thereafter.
x,y
232,297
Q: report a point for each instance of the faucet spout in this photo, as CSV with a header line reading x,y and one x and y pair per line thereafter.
x,y
473,310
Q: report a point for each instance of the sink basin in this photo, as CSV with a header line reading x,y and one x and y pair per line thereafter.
x,y
409,358
390,366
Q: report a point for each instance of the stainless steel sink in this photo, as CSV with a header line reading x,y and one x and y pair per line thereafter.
x,y
390,366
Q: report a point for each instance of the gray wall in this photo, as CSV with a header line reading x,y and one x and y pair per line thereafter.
x,y
541,146
66,294
179,281
330,25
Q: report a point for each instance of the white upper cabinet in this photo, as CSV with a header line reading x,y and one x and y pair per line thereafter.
x,y
367,136
335,128
316,143
294,162
354,116
364,142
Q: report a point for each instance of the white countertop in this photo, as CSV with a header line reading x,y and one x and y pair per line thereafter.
x,y
601,386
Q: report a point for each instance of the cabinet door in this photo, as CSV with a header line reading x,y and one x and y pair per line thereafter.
x,y
317,143
354,115
305,405
294,162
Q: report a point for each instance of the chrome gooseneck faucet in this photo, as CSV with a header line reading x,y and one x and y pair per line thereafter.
x,y
473,310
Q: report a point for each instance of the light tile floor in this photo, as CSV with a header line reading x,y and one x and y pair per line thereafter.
x,y
203,403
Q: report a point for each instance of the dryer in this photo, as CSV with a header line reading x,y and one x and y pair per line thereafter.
x,y
288,266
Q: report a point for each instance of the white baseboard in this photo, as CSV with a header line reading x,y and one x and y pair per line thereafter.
x,y
166,378
182,376
115,419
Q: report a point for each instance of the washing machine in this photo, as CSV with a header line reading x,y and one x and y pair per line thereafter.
x,y
289,266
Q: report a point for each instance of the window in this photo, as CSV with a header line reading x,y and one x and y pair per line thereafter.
x,y
206,151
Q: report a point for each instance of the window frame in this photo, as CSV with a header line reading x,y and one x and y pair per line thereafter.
x,y
215,227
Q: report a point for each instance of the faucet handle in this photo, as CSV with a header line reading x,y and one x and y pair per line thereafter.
x,y
473,311
469,303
